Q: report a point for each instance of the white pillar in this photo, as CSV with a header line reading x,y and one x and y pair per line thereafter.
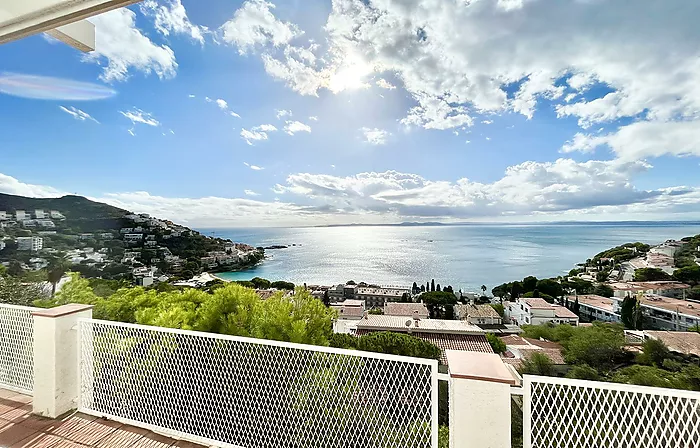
x,y
56,376
479,400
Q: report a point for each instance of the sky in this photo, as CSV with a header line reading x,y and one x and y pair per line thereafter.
x,y
290,113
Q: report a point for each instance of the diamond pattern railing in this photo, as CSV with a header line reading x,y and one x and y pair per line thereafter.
x,y
566,413
17,348
243,392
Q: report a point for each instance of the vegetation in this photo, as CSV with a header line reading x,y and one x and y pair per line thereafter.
x,y
15,291
597,353
631,313
688,274
537,364
496,343
686,254
650,275
623,253
440,304
500,309
387,342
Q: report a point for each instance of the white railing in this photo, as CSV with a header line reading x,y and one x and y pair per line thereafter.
x,y
566,413
242,392
17,348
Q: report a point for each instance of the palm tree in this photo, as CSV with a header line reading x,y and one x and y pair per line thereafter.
x,y
483,288
55,274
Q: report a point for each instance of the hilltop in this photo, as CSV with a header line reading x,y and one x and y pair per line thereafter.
x,y
102,241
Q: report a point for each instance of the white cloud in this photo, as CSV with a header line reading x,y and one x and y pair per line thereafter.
x,y
643,139
384,84
234,114
375,136
223,105
257,133
251,193
171,17
487,121
131,132
139,116
254,24
253,167
191,96
78,114
126,49
292,127
313,118
11,185
281,113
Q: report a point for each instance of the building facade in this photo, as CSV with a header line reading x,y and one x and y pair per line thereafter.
x,y
535,311
32,243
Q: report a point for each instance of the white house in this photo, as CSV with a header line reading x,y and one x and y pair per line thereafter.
x,y
40,214
594,307
133,237
21,215
536,311
3,215
57,215
32,243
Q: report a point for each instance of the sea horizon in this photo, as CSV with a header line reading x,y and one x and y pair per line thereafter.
x,y
463,256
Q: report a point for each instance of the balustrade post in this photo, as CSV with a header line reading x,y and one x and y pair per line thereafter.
x,y
479,400
56,351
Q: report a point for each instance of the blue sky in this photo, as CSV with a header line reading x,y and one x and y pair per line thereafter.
x,y
231,113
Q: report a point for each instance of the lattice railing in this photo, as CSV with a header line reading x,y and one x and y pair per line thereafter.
x,y
16,348
565,413
232,391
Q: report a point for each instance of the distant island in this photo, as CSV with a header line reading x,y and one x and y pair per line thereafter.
x,y
97,240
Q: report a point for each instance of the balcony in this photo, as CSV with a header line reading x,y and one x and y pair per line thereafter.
x,y
157,387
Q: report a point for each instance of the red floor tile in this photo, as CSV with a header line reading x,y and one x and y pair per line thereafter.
x,y
11,433
126,436
152,440
38,440
93,432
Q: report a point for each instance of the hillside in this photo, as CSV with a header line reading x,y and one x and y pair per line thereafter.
x,y
82,214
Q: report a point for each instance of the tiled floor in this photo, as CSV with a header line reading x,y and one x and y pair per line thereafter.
x,y
20,429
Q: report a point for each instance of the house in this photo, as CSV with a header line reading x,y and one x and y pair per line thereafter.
x,y
2,245
151,243
21,215
445,334
478,314
668,313
348,315
378,297
29,223
32,243
85,236
46,223
3,215
124,230
57,215
406,310
133,237
519,349
106,236
662,288
683,342
536,311
593,307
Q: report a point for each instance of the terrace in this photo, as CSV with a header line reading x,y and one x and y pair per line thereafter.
x,y
141,386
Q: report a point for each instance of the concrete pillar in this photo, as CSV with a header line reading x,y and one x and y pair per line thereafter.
x,y
479,400
56,375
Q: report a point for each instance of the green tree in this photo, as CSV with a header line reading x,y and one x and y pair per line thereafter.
x,y
326,298
261,283
515,290
398,344
689,274
376,311
432,285
55,273
600,346
537,364
583,372
631,313
654,353
17,292
550,287
15,269
77,290
483,289
439,303
650,274
496,343
604,290
500,309
283,285
529,283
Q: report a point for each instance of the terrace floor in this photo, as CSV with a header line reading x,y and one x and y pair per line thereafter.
x,y
20,429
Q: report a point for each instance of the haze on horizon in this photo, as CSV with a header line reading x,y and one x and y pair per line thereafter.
x,y
288,113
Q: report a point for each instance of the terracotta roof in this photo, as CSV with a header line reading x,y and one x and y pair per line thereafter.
x,y
487,311
643,286
686,342
403,324
593,300
406,309
672,305
561,311
463,342
348,311
538,303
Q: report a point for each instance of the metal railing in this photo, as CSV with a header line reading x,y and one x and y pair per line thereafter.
x,y
244,392
17,348
565,413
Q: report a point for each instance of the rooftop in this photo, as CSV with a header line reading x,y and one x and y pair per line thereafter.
x,y
406,309
20,429
686,342
404,324
483,311
643,286
353,302
390,292
563,312
671,304
538,303
593,300
348,311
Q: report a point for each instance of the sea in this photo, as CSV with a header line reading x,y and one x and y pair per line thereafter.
x,y
463,256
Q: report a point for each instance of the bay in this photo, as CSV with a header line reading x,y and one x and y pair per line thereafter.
x,y
465,256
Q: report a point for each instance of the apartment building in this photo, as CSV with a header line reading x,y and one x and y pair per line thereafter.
x,y
535,311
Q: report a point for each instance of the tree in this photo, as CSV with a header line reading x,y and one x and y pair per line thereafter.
x,y
432,285
600,346
398,344
537,364
576,308
500,309
376,311
483,289
16,292
515,290
529,283
437,288
650,274
631,313
583,372
440,304
15,269
414,289
326,298
422,288
496,343
54,274
289,286
550,287
351,282
690,274
604,290
654,353
260,283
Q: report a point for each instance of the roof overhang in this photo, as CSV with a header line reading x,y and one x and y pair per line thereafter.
x,y
62,19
